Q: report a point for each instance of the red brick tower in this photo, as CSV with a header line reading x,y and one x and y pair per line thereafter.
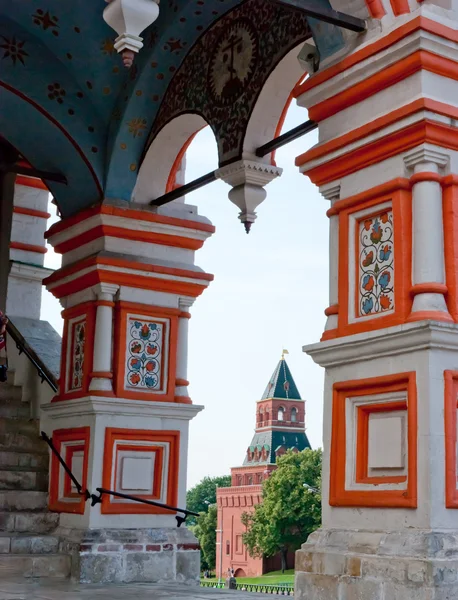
x,y
280,426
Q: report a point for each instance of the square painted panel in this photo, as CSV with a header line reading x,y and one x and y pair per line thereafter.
x,y
137,473
386,442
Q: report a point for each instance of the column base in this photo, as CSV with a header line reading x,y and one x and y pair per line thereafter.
x,y
132,555
363,565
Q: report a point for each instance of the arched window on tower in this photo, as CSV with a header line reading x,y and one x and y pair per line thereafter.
x,y
281,414
261,416
293,415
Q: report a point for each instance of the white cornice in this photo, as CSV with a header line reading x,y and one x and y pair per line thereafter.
x,y
94,405
393,341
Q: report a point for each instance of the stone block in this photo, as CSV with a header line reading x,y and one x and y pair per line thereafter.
x,y
188,566
55,566
12,565
445,572
384,568
101,568
5,544
149,567
21,545
350,589
37,522
417,571
310,586
406,592
303,561
6,521
333,564
353,566
44,545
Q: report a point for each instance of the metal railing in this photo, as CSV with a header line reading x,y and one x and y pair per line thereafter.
x,y
98,499
284,589
78,486
23,347
180,519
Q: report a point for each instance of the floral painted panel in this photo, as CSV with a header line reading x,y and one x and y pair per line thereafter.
x,y
145,354
376,265
78,347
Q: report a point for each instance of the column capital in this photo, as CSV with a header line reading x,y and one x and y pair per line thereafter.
x,y
425,155
248,178
105,289
185,302
331,191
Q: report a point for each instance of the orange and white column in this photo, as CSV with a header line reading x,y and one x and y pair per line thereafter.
x,y
121,415
27,248
387,162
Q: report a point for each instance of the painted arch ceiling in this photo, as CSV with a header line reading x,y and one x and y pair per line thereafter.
x,y
68,105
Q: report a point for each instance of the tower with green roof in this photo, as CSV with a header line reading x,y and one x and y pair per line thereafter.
x,y
280,426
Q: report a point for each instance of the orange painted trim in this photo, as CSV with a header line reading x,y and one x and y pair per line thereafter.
x,y
429,315
70,451
136,306
332,310
402,234
171,181
149,237
362,442
450,221
60,436
387,77
130,280
376,125
281,120
376,9
108,303
101,374
395,185
183,400
28,247
450,438
378,150
185,315
428,288
85,310
181,382
329,334
127,213
339,495
400,7
31,182
123,309
109,462
426,176
392,38
124,264
23,210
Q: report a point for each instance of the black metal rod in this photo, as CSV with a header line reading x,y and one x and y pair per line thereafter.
x,y
78,486
22,346
31,172
328,15
286,138
184,189
150,502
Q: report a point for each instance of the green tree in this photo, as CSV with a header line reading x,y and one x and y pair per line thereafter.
x,y
202,495
289,511
205,532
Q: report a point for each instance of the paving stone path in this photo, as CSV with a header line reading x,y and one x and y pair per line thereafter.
x,y
65,590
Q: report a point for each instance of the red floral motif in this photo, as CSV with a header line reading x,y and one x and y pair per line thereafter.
x,y
369,284
134,378
385,302
367,224
369,259
136,348
384,218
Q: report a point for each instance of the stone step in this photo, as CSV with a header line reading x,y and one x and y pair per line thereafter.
x,y
12,441
20,543
11,407
17,478
35,565
16,458
28,427
17,500
8,391
28,522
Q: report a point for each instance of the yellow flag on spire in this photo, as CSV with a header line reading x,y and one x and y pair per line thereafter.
x,y
284,352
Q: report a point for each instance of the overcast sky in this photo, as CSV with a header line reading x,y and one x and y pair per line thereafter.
x,y
269,293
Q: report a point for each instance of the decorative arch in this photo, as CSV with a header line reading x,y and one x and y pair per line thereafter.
x,y
240,573
224,97
272,104
294,414
281,413
165,155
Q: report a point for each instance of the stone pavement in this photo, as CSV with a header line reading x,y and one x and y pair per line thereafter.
x,y
65,590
